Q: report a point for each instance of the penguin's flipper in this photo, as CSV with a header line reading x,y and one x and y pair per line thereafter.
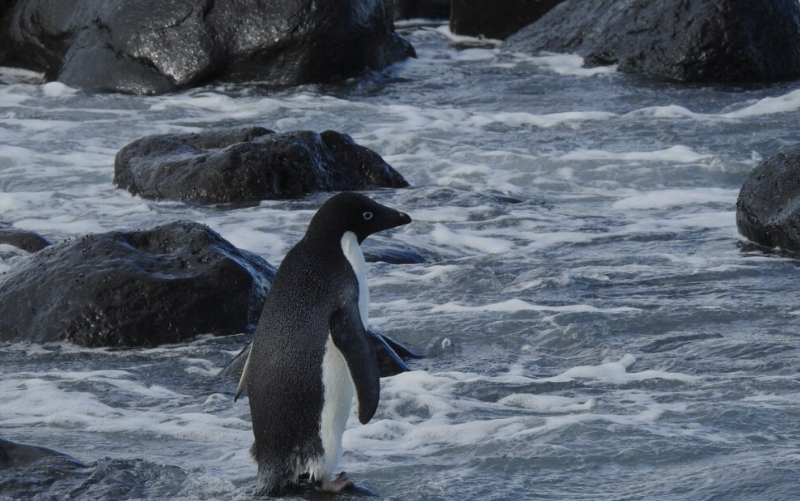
x,y
353,342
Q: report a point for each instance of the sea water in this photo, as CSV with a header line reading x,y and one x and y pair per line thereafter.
x,y
595,326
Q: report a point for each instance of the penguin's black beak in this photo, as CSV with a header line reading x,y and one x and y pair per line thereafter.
x,y
403,218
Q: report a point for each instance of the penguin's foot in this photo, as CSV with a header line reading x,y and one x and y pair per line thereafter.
x,y
338,484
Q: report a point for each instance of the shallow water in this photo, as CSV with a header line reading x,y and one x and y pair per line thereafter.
x,y
596,328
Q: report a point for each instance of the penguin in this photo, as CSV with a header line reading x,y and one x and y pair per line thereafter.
x,y
311,353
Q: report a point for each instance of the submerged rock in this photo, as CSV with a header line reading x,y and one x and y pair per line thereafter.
x,y
768,207
33,472
26,240
156,46
496,19
248,165
681,40
15,454
141,288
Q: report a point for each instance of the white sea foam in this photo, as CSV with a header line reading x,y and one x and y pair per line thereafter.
x,y
676,154
768,106
547,403
150,412
617,373
57,89
445,30
19,75
475,55
567,64
670,198
445,236
513,305
420,412
520,118
668,111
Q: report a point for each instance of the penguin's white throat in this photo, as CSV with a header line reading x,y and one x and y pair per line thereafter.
x,y
352,251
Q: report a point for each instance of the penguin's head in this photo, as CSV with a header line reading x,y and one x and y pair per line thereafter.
x,y
354,212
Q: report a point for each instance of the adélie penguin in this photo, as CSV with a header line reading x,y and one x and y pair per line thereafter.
x,y
311,353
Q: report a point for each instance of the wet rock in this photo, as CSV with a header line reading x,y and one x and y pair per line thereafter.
x,y
496,19
425,9
38,473
141,288
248,165
14,454
768,207
681,40
26,240
156,46
29,471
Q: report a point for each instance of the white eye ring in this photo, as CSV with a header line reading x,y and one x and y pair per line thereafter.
x,y
367,216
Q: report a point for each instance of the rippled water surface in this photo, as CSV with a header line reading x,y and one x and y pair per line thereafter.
x,y
596,328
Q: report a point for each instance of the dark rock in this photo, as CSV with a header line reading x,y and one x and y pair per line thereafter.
x,y
29,471
14,454
141,288
680,40
25,240
37,473
496,19
248,165
391,355
768,208
155,46
425,9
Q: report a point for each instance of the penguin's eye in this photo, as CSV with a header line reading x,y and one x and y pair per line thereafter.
x,y
367,216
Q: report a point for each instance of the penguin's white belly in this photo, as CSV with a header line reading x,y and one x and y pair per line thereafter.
x,y
339,389
337,403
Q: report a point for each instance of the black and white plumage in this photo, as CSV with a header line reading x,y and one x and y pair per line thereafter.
x,y
311,353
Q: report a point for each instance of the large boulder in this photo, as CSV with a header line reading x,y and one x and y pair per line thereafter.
x,y
248,165
679,40
156,46
768,208
496,19
141,288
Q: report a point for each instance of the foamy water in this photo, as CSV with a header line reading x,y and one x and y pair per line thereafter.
x,y
596,328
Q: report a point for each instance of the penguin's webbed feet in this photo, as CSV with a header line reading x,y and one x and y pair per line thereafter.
x,y
338,484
